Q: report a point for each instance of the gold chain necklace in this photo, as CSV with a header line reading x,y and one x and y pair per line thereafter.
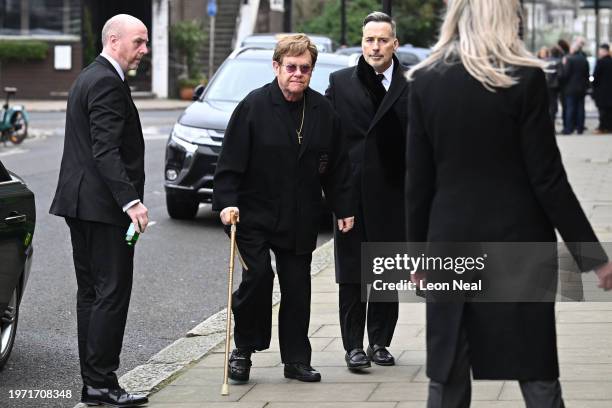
x,y
299,132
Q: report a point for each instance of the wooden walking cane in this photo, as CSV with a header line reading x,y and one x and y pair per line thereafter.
x,y
230,287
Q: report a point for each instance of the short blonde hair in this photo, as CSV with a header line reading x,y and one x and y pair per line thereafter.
x,y
294,45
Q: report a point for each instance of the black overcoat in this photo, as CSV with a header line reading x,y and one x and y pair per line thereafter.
x,y
276,182
376,140
575,75
485,167
602,82
102,167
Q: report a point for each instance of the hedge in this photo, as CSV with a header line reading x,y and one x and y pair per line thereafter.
x,y
22,50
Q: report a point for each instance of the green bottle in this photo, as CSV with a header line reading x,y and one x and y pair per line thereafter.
x,y
131,236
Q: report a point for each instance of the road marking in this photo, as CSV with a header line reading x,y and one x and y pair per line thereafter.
x,y
12,151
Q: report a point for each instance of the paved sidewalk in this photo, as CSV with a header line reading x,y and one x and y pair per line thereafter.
x,y
142,104
584,337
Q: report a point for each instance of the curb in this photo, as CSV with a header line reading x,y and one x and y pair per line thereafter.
x,y
170,362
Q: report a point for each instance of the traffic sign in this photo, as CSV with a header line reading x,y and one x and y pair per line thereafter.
x,y
212,8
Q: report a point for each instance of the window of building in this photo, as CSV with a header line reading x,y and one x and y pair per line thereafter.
x,y
40,17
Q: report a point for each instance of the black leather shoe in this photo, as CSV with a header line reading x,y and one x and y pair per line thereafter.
x,y
240,365
356,359
380,355
302,372
112,397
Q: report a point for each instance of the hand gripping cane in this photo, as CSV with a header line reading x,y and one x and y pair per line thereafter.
x,y
230,287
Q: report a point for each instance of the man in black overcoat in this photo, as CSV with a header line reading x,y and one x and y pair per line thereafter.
x,y
99,193
602,89
575,80
371,99
282,145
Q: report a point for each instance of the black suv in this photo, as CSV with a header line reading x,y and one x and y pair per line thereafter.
x,y
195,141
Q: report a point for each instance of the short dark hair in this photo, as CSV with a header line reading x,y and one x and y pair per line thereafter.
x,y
605,46
380,17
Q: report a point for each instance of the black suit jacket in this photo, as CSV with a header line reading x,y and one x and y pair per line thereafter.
x,y
102,165
376,140
276,182
484,167
575,75
602,82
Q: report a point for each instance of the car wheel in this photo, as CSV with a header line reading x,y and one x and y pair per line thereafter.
x,y
8,327
181,208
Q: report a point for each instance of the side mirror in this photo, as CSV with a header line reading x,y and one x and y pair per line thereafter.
x,y
197,92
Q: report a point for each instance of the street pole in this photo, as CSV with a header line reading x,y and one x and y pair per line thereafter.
x,y
212,13
596,25
343,22
287,23
533,32
386,5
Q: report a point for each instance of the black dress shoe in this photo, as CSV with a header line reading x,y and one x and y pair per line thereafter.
x,y
240,365
302,372
112,397
356,359
380,355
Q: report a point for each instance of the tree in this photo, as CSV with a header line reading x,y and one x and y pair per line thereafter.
x,y
417,20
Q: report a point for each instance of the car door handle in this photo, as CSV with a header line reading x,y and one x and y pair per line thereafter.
x,y
15,219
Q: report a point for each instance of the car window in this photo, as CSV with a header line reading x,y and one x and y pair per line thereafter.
x,y
407,58
4,175
239,77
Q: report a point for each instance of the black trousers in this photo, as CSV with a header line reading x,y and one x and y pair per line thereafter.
x,y
104,268
381,318
252,302
457,391
605,119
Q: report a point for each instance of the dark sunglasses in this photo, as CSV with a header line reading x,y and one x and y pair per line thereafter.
x,y
304,69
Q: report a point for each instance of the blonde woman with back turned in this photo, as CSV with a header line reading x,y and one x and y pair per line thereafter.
x,y
483,166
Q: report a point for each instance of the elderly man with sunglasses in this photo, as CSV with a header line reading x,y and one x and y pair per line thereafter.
x,y
281,147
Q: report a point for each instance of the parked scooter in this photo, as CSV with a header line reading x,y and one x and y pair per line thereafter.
x,y
14,120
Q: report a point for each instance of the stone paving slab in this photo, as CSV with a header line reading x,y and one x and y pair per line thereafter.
x,y
481,390
315,392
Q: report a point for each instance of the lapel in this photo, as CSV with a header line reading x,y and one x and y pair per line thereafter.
x,y
360,93
398,85
309,118
106,63
281,111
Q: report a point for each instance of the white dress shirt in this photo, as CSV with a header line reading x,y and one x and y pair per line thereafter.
x,y
386,82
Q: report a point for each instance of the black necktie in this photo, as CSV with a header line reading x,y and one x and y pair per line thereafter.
x,y
380,77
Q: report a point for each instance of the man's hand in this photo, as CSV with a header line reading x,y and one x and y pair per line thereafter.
x,y
604,273
139,215
226,215
346,224
417,278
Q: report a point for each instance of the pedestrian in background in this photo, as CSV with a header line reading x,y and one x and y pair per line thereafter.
x,y
575,79
496,179
371,99
553,71
602,89
282,145
99,192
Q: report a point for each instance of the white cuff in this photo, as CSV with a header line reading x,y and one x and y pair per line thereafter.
x,y
129,205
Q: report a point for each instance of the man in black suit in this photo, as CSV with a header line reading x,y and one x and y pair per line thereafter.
x,y
602,89
371,100
99,192
282,145
575,79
